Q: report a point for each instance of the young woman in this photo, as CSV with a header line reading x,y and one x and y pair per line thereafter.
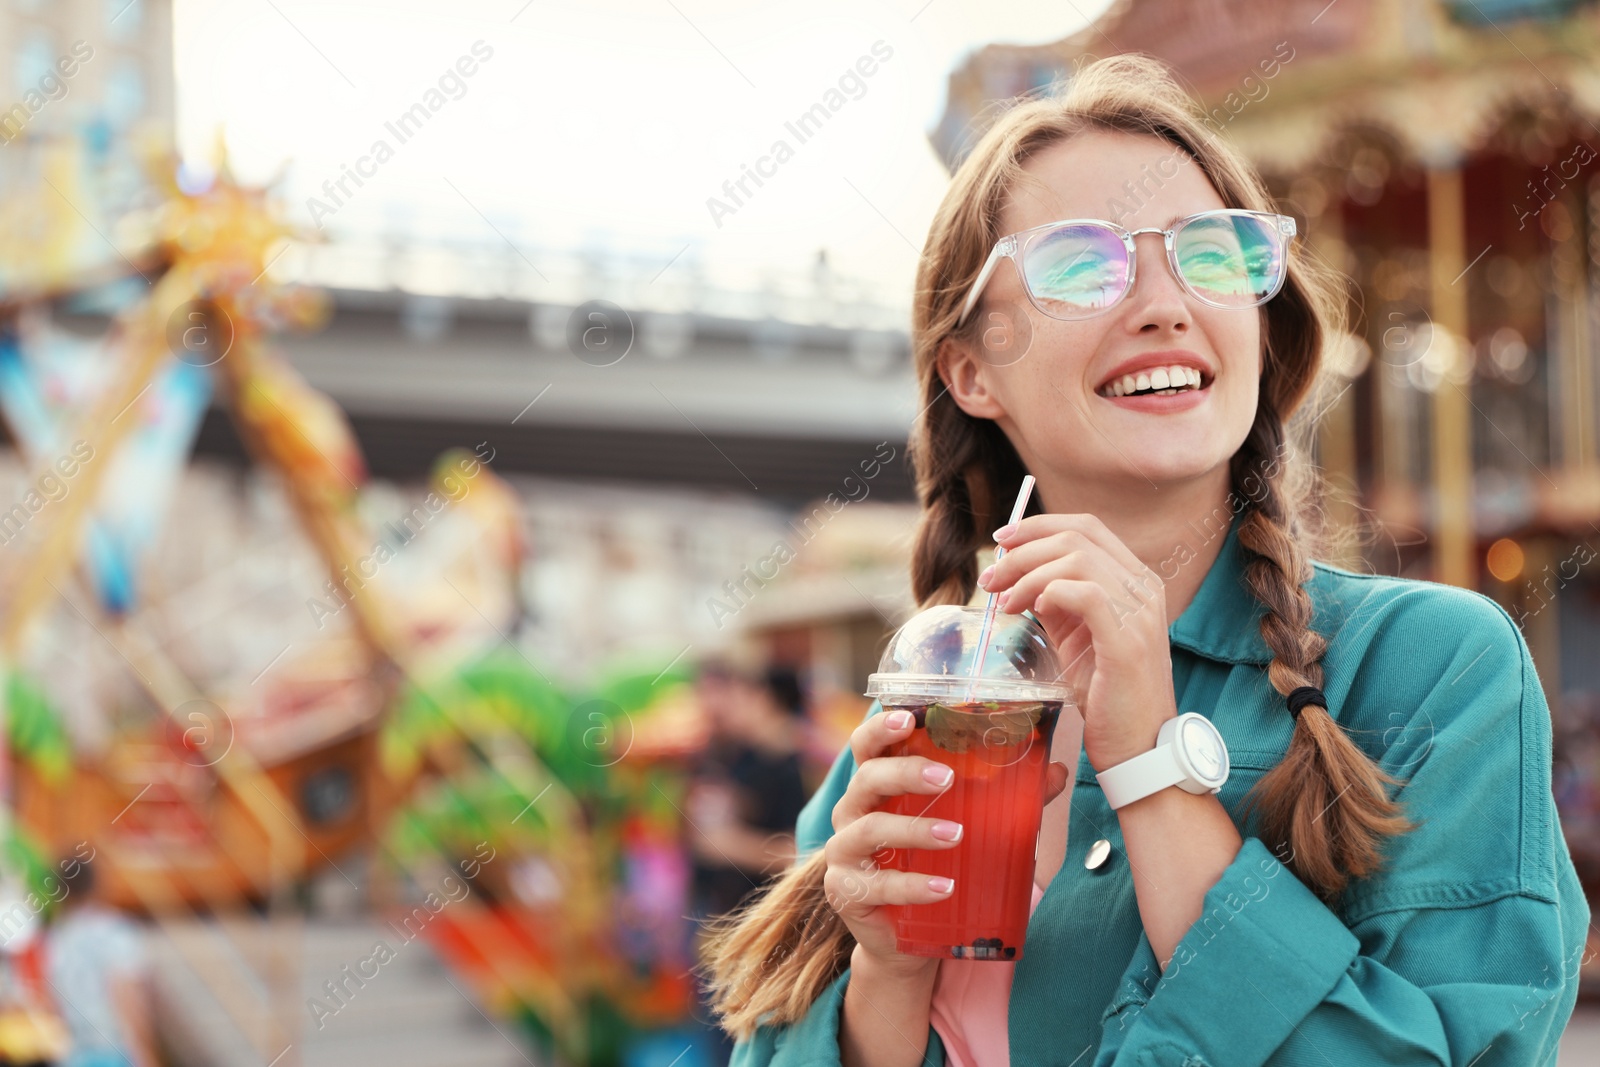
x,y
1382,878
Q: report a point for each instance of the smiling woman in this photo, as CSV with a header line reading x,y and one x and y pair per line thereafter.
x,y
1420,887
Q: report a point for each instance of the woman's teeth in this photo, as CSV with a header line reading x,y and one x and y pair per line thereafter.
x,y
1162,381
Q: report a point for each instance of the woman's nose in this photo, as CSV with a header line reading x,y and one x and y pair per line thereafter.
x,y
1157,297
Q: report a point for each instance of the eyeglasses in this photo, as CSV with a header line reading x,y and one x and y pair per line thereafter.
x,y
1079,268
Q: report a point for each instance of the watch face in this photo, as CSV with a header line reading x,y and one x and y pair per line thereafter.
x,y
1203,745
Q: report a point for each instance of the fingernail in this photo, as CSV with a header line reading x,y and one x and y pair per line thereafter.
x,y
941,885
1003,598
947,831
939,776
1005,532
899,720
983,579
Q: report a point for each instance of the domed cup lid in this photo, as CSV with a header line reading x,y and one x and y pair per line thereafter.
x,y
932,655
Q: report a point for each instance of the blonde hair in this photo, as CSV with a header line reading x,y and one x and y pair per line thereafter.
x,y
1326,802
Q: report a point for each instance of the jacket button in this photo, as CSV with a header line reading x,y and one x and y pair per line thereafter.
x,y
1099,852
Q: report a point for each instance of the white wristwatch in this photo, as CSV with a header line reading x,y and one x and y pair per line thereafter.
x,y
1189,754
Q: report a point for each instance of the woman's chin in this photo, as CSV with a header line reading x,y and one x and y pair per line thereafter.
x,y
1169,467
1176,453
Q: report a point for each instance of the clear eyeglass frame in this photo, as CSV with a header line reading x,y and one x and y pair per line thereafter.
x,y
1013,246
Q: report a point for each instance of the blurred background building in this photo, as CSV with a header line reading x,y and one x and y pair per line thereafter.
x,y
372,607
87,87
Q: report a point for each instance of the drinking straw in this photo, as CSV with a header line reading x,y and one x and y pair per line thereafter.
x,y
988,612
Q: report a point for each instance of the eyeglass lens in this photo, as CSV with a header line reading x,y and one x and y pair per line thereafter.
x,y
1227,260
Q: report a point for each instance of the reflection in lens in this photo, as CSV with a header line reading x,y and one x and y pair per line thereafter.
x,y
1230,260
1076,271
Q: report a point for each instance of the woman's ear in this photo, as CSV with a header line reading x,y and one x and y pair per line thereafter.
x,y
966,377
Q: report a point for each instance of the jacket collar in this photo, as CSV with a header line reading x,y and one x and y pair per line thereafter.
x,y
1223,621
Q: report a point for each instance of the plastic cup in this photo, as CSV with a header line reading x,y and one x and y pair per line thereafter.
x,y
994,731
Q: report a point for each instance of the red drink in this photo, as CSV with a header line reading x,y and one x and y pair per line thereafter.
x,y
1000,752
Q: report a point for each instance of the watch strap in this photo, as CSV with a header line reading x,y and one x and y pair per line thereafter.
x,y
1142,775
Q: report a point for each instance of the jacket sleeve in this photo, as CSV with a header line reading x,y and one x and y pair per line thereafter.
x,y
813,1041
1464,950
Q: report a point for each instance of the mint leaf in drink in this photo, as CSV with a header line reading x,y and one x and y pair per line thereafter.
x,y
994,724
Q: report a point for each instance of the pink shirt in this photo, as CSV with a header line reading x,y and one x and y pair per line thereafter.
x,y
971,1002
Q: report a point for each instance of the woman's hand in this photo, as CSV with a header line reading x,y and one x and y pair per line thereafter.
x,y
855,884
1106,613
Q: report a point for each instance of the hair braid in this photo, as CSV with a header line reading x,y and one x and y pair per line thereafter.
x,y
768,961
943,566
956,459
1325,799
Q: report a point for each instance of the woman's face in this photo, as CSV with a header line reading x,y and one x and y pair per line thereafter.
x,y
1051,400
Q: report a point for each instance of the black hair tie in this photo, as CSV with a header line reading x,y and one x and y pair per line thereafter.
x,y
1306,694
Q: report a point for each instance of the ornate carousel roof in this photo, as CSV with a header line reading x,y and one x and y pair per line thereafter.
x,y
1286,78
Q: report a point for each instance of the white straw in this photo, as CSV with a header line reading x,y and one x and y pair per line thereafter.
x,y
988,612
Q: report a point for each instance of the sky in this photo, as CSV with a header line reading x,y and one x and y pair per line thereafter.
x,y
603,126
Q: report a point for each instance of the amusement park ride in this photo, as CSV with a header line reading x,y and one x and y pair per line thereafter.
x,y
415,734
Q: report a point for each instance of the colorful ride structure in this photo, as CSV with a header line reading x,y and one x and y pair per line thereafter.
x,y
410,738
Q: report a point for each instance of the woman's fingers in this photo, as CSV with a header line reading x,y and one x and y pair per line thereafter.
x,y
1079,570
878,732
889,776
854,891
1064,601
1068,554
1055,781
857,881
895,776
856,854
866,838
1045,547
1028,555
1090,527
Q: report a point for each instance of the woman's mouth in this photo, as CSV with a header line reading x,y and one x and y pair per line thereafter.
x,y
1157,381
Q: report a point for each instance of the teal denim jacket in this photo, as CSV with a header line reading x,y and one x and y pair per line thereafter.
x,y
1463,950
